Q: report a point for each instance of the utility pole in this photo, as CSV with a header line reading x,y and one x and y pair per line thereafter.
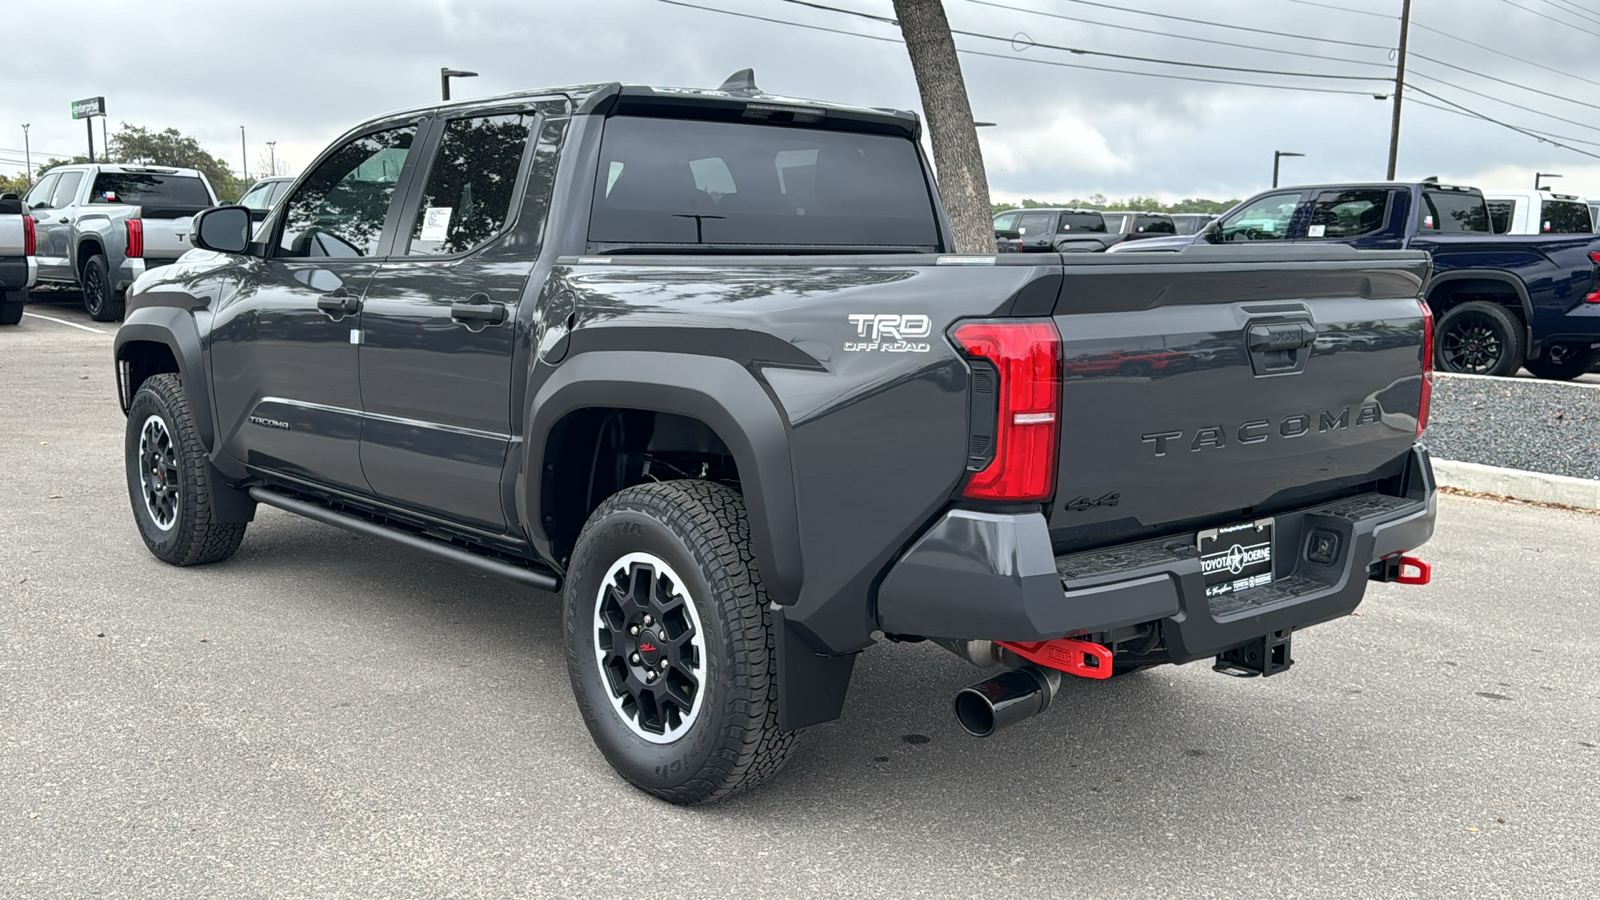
x,y
272,151
244,154
1399,87
27,153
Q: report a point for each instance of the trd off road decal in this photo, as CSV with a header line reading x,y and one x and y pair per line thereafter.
x,y
889,333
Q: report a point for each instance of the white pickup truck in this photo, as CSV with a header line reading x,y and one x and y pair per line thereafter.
x,y
1538,212
17,267
102,226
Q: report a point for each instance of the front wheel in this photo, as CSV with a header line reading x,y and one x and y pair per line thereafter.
x,y
1479,338
168,479
670,646
1563,362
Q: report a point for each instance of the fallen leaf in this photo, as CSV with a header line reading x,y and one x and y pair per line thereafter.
x,y
43,443
55,496
33,815
1473,830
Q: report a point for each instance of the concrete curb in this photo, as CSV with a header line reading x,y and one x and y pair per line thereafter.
x,y
1535,487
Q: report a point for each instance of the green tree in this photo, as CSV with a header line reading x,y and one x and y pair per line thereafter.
x,y
1100,201
14,184
134,144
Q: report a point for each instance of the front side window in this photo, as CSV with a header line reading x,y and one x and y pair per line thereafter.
x,y
1033,224
66,192
1263,219
1005,221
469,192
39,197
1154,225
1565,217
1347,214
150,190
1500,215
340,207
1454,212
1094,223
684,181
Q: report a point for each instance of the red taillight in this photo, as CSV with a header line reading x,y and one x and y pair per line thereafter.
x,y
1027,357
135,237
30,237
1594,295
1427,368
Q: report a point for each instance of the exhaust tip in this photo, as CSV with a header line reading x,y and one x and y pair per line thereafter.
x,y
1005,699
975,712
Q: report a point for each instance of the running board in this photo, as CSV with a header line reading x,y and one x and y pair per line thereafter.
x,y
544,581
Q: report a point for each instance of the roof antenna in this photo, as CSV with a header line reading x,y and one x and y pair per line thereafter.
x,y
741,82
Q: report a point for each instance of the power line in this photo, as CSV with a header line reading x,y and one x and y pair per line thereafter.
x,y
1551,18
1182,37
1014,58
1302,37
1498,52
1479,115
1359,12
1543,134
1520,87
1530,109
1014,40
1572,10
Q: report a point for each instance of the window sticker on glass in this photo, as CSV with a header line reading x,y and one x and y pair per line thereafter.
x,y
435,223
1317,231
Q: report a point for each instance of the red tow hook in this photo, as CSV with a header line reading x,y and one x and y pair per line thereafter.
x,y
1080,658
1414,571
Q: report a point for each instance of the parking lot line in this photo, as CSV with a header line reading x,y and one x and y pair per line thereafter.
x,y
63,322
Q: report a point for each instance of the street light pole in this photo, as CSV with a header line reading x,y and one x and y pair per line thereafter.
x,y
1399,88
244,154
272,154
445,74
27,153
1541,175
1276,156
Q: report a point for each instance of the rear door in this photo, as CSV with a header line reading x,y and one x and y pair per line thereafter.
x,y
285,347
1360,217
1036,231
439,325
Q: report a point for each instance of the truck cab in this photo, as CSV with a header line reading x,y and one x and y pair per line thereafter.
x,y
1538,212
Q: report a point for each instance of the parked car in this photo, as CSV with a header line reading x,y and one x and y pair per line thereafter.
x,y
1191,223
1053,231
102,226
18,269
704,362
264,195
1503,301
1136,226
1538,212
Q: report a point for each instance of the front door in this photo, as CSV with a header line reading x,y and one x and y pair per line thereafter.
x,y
285,361
53,225
439,329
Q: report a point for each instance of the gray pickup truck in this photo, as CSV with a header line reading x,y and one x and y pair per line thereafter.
x,y
704,362
17,267
102,226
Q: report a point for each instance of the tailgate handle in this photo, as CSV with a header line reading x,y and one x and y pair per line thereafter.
x,y
1282,336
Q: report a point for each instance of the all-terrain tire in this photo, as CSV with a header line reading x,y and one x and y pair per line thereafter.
x,y
1563,362
650,540
1479,338
187,536
101,300
11,304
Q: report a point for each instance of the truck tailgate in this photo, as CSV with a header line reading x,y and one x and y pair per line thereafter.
x,y
1200,389
166,238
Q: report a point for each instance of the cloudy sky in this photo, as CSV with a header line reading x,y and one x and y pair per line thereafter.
x,y
299,73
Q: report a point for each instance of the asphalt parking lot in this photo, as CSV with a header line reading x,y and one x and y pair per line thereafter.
x,y
331,716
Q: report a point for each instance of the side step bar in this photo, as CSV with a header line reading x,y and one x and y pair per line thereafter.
x,y
544,581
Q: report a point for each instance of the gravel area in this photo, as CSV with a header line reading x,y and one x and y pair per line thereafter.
x,y
1518,423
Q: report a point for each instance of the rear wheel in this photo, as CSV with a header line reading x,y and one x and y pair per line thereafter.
x,y
11,304
670,645
1479,338
1563,362
100,299
168,479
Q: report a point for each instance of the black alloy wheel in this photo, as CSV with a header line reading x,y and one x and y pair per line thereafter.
x,y
650,648
100,300
1479,338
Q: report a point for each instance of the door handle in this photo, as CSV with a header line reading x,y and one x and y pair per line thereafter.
x,y
477,308
63,220
339,302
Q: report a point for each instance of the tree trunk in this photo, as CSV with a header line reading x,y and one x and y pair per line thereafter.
x,y
962,182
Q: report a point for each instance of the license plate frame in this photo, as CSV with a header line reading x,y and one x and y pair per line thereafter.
x,y
1236,558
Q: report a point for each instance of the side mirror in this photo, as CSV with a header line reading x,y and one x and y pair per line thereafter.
x,y
225,229
1212,233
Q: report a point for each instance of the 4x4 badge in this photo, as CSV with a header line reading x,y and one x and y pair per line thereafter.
x,y
1083,503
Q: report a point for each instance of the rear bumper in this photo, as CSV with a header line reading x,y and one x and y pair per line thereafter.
x,y
127,273
18,272
993,576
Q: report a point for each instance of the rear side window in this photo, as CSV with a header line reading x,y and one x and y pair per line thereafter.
x,y
1034,224
1564,217
680,181
1093,223
469,192
1153,225
1500,215
1347,214
1452,212
1116,223
153,190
